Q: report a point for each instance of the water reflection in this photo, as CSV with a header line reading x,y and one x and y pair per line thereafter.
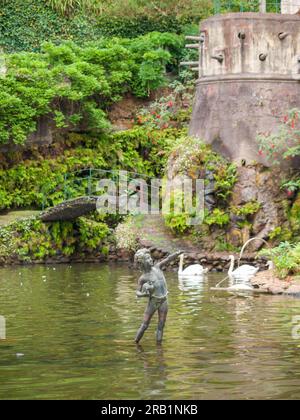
x,y
74,327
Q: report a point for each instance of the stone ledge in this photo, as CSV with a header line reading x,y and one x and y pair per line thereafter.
x,y
269,283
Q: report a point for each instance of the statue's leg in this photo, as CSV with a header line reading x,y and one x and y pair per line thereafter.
x,y
146,321
162,316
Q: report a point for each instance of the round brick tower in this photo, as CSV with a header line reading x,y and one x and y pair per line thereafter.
x,y
249,76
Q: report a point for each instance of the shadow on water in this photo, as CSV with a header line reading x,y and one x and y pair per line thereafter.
x,y
70,332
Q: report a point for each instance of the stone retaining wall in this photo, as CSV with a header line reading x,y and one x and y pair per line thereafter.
x,y
215,262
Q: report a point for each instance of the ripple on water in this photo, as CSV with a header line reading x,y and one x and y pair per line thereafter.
x,y
216,346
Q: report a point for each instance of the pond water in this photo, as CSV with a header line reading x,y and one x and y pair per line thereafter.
x,y
70,333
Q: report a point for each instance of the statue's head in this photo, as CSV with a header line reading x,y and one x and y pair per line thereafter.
x,y
143,259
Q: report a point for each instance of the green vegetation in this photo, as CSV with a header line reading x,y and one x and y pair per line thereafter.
x,y
247,209
126,234
217,217
72,84
96,53
286,258
190,156
31,240
26,24
39,181
285,143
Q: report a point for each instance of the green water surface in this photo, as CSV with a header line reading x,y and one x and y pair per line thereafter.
x,y
70,332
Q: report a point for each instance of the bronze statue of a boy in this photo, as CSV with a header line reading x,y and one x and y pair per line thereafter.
x,y
152,284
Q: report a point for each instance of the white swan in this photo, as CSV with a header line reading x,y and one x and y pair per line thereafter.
x,y
192,270
245,272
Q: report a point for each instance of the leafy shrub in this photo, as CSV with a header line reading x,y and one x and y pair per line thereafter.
x,y
91,233
181,9
285,143
217,217
31,240
39,181
26,24
192,157
247,209
286,258
170,110
126,235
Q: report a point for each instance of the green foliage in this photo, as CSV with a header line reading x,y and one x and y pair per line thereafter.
x,y
225,179
294,216
283,144
69,7
286,258
47,182
130,27
247,209
291,185
217,217
71,83
176,216
170,110
192,157
91,233
223,246
178,223
229,6
126,234
26,24
281,234
31,240
181,9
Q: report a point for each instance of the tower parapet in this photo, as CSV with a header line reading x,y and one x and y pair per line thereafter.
x,y
249,75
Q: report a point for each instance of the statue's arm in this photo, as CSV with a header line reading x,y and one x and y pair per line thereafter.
x,y
169,259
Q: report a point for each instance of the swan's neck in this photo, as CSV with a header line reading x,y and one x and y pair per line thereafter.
x,y
180,264
230,271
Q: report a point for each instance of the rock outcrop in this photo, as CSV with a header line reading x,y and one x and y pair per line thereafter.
x,y
268,281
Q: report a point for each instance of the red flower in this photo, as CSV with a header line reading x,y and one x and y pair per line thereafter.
x,y
261,153
170,104
157,116
290,193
